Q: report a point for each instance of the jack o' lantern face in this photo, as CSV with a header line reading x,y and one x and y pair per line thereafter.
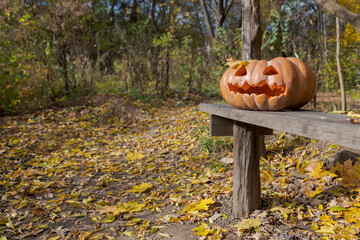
x,y
272,85
261,88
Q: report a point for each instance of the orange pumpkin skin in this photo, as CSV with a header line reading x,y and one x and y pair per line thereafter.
x,y
281,83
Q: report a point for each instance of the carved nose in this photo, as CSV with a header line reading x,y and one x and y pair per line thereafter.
x,y
270,70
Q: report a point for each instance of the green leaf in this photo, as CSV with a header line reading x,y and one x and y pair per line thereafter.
x,y
129,233
338,208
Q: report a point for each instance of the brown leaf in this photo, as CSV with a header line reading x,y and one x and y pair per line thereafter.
x,y
38,211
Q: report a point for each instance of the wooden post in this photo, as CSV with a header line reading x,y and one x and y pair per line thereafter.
x,y
246,175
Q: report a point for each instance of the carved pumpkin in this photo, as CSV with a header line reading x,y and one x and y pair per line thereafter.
x,y
281,83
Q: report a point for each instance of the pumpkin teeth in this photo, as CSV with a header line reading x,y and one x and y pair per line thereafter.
x,y
262,88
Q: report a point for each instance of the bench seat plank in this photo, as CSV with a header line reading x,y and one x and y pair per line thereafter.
x,y
327,127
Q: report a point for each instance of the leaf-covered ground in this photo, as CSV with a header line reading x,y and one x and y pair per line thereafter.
x,y
75,174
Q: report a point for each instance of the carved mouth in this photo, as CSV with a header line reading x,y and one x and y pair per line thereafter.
x,y
261,88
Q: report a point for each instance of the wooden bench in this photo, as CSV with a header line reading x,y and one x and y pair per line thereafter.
x,y
248,129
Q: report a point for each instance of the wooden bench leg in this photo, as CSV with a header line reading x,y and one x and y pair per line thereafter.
x,y
246,175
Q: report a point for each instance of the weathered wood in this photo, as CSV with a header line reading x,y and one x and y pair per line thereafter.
x,y
220,126
326,127
246,174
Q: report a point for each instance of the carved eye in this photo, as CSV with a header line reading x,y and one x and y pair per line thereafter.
x,y
271,71
241,72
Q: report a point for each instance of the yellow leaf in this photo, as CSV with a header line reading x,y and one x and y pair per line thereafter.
x,y
314,226
73,203
145,225
3,238
141,188
352,215
110,237
107,209
135,156
319,173
131,207
326,230
202,230
353,114
133,222
326,219
53,238
110,219
129,233
199,206
266,176
247,224
233,62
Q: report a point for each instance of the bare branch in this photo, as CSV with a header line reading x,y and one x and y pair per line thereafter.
x,y
341,12
227,9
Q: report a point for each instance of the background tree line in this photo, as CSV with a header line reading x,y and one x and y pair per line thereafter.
x,y
54,49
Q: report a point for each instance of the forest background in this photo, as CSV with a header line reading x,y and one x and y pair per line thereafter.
x,y
54,50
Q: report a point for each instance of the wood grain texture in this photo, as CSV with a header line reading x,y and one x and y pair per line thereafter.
x,y
327,127
246,174
220,126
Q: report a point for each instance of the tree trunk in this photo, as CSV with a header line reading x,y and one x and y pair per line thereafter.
x,y
63,63
189,83
251,30
324,47
341,79
167,70
207,19
341,12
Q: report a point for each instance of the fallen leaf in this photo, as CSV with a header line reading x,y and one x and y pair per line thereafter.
x,y
326,230
337,209
131,207
61,231
141,188
164,235
247,224
353,114
199,206
202,230
227,160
